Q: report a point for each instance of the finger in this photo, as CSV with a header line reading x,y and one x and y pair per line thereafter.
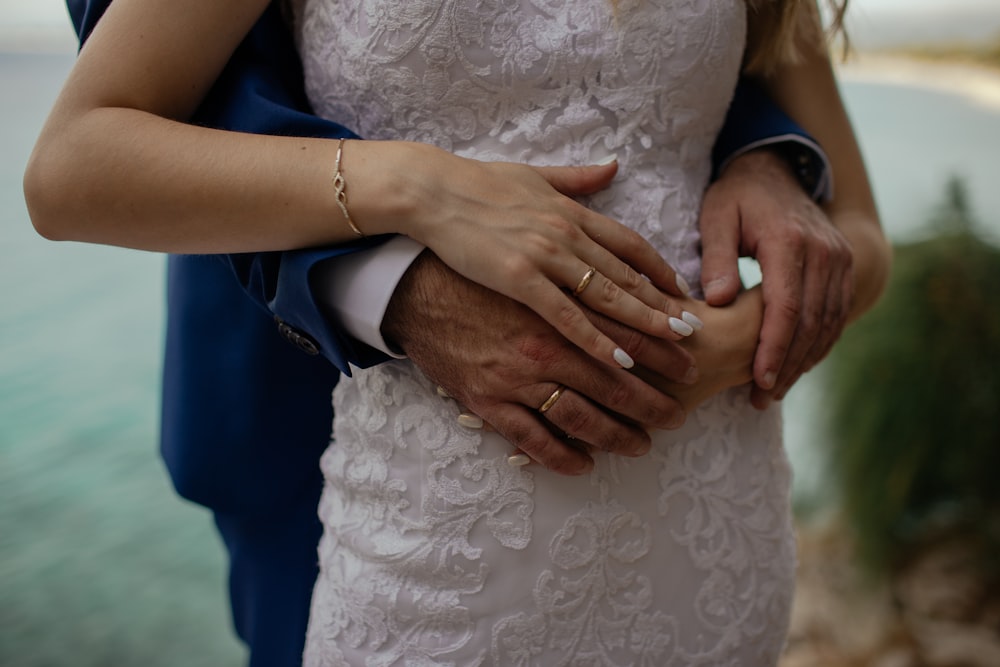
x,y
782,286
575,416
832,324
814,305
615,391
663,357
625,248
579,181
665,320
524,429
720,249
833,321
566,316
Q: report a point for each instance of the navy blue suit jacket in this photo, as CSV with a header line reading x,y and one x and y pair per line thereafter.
x,y
246,414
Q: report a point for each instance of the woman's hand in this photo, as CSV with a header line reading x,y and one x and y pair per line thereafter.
x,y
516,230
723,351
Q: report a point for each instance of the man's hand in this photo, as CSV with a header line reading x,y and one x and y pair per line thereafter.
x,y
502,361
758,209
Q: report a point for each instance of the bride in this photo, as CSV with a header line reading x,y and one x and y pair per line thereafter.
x,y
436,550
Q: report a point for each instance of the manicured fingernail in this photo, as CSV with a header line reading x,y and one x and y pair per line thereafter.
x,y
770,378
442,392
683,286
681,327
518,460
693,320
691,376
608,160
623,358
469,420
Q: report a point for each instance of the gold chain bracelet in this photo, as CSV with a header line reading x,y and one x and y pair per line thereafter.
x,y
341,185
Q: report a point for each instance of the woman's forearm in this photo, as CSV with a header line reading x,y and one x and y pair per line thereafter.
x,y
129,178
872,255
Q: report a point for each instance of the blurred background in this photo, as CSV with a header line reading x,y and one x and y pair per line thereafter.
x,y
895,439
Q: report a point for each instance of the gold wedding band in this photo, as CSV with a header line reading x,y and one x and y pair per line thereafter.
x,y
551,400
582,285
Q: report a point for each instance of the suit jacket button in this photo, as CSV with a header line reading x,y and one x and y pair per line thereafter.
x,y
299,339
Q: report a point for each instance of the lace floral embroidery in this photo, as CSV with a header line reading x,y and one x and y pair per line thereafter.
x,y
435,552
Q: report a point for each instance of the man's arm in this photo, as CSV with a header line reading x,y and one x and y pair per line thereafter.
x,y
753,208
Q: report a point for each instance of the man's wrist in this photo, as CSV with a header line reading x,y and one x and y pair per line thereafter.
x,y
416,283
356,289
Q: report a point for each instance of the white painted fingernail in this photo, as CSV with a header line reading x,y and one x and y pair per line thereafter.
x,y
683,286
693,320
608,160
518,460
623,358
769,379
469,420
680,327
442,392
691,376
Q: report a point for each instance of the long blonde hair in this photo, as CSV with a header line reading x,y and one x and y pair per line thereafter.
x,y
778,29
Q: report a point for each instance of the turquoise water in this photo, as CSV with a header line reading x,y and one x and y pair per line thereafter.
x,y
100,563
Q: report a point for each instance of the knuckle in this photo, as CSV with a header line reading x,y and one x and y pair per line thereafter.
x,y
540,349
630,280
823,254
622,441
577,420
811,323
618,397
516,265
794,236
663,411
635,343
519,434
790,309
545,246
569,316
561,221
610,291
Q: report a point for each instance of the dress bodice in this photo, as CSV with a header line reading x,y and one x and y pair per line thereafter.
x,y
546,82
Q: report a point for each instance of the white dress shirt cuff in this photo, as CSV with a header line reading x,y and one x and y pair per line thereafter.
x,y
356,288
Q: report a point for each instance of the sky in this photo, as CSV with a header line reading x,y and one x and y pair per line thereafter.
x,y
44,25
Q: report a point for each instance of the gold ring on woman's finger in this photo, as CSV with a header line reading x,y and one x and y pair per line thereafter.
x,y
551,400
582,285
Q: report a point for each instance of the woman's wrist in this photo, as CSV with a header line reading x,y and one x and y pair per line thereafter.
x,y
395,186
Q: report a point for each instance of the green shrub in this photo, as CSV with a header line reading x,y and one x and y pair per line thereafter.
x,y
915,398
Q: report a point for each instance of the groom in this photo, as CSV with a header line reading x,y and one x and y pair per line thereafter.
x,y
246,415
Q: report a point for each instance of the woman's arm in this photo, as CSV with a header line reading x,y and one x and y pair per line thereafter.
x,y
808,91
116,164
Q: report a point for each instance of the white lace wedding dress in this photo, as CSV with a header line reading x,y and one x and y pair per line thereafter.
x,y
435,551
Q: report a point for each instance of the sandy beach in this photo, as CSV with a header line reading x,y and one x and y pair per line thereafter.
x,y
978,84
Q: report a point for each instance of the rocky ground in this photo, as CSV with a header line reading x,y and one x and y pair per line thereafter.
x,y
936,612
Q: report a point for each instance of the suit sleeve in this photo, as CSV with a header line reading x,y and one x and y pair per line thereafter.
x,y
260,91
753,121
